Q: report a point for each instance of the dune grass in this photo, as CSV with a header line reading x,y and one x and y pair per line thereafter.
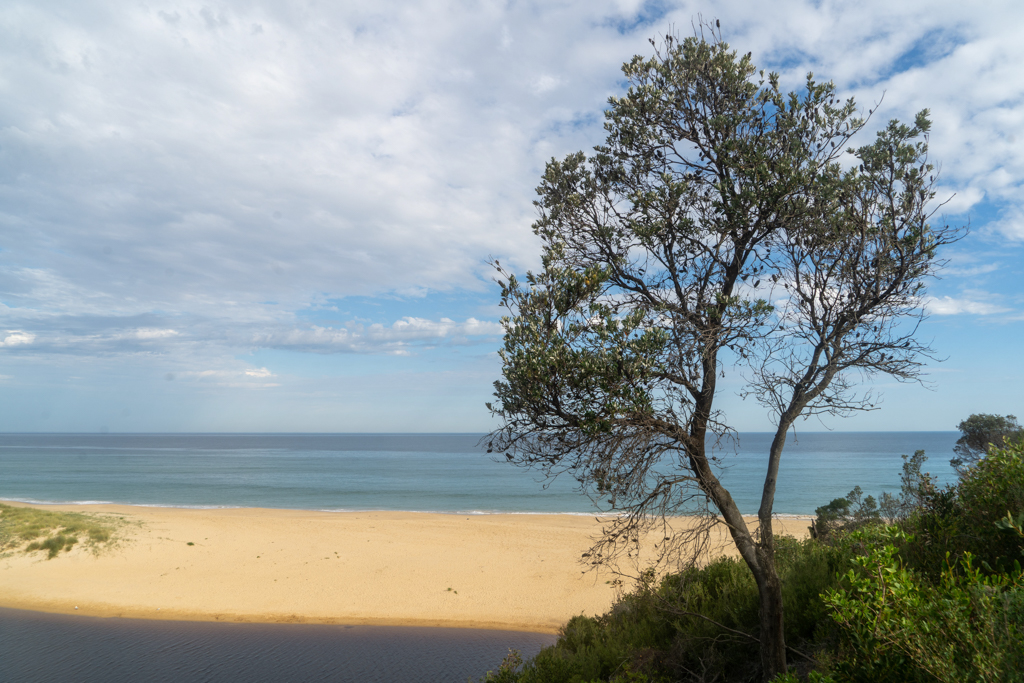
x,y
29,529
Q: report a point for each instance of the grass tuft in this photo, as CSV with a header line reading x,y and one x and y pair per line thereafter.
x,y
50,531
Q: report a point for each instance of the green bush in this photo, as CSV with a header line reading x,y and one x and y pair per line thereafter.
x,y
895,625
699,624
812,677
846,514
987,493
967,518
807,569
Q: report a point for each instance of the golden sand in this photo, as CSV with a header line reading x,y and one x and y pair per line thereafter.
x,y
506,571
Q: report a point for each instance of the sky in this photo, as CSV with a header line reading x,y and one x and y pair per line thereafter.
x,y
278,216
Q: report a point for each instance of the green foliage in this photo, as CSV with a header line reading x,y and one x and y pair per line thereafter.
x,y
53,545
897,626
812,677
508,670
988,492
981,431
846,514
699,623
938,597
916,489
1012,524
808,569
48,530
970,516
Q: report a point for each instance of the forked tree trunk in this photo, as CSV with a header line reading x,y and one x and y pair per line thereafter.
x,y
759,554
760,559
769,586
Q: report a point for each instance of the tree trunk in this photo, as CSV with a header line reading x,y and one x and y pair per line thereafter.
x,y
758,554
760,559
773,637
769,587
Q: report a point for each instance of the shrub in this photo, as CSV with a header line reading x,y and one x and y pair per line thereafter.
x,y
845,514
988,492
897,626
508,670
968,518
812,677
53,545
980,432
699,624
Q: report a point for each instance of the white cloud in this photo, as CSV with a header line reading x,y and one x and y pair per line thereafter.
x,y
545,83
378,338
153,333
1011,223
177,159
86,336
953,306
957,201
966,271
17,338
228,378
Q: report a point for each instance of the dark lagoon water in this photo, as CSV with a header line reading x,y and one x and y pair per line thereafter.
x,y
414,472
49,648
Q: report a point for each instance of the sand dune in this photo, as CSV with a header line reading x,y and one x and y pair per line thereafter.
x,y
482,571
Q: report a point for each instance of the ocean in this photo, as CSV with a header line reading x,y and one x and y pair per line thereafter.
x,y
412,472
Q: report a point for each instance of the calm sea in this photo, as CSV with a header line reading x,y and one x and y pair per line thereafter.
x,y
414,472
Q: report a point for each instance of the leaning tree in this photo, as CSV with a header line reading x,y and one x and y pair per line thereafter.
x,y
723,227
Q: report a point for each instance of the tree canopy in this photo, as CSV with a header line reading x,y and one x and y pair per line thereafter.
x,y
979,432
725,227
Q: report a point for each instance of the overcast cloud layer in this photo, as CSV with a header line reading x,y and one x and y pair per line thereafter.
x,y
278,216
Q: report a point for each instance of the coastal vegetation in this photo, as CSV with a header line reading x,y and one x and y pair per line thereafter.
x,y
726,231
28,529
980,431
927,587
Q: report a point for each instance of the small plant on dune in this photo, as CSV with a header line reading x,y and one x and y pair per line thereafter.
x,y
50,531
53,545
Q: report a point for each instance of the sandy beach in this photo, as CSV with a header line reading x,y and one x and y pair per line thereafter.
x,y
506,571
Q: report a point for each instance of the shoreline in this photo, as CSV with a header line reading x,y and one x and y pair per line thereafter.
x,y
505,571
86,504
